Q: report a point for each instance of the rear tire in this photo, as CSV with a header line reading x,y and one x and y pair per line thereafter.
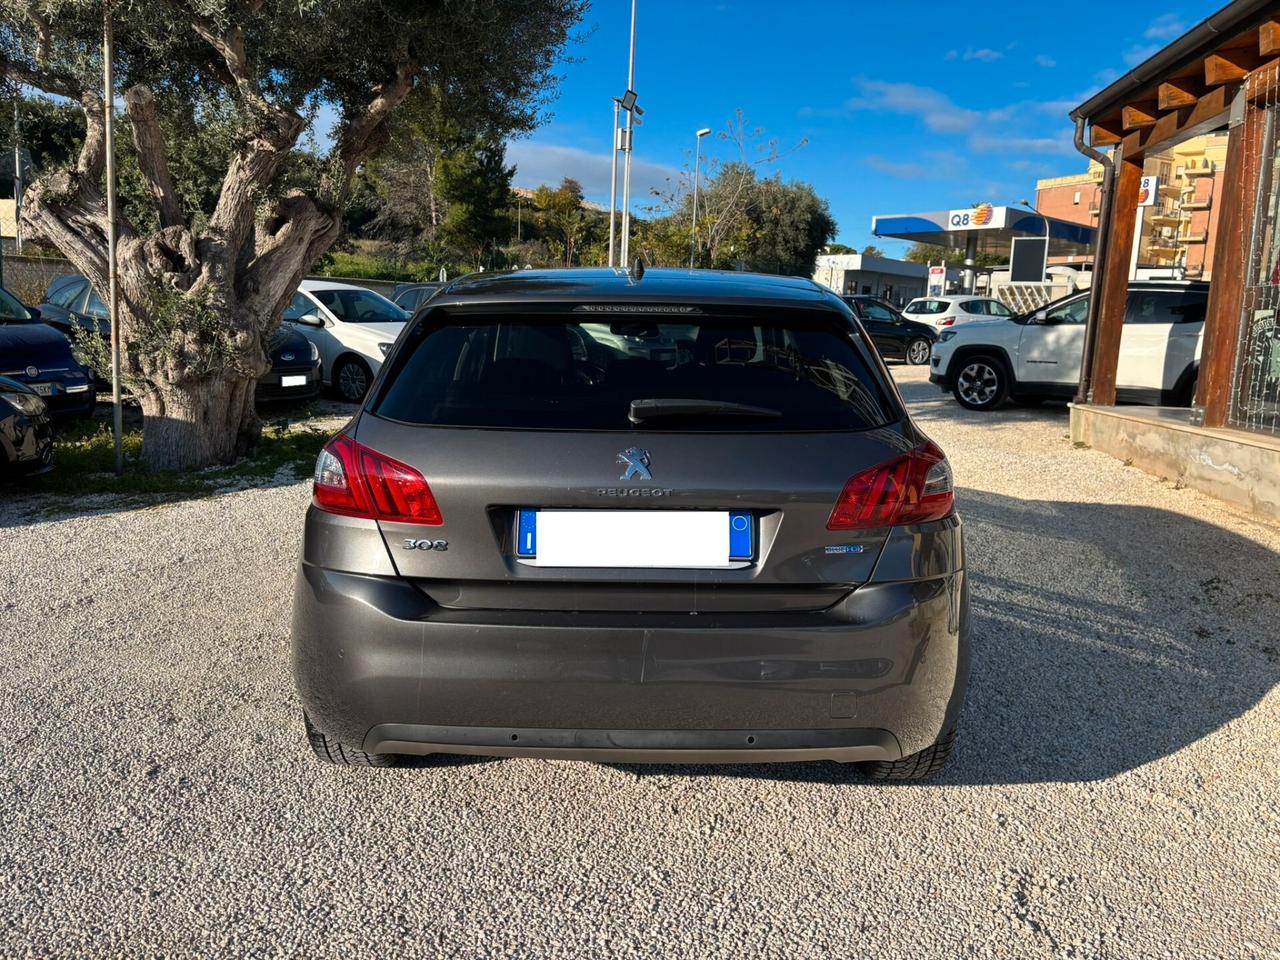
x,y
331,751
917,766
981,383
917,352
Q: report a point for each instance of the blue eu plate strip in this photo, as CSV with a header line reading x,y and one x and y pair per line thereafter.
x,y
527,534
741,536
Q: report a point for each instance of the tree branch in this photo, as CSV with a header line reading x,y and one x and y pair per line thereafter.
x,y
152,159
363,137
93,152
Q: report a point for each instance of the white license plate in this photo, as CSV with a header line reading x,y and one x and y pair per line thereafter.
x,y
294,381
44,389
634,538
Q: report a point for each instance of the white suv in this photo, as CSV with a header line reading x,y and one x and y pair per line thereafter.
x,y
1037,355
943,312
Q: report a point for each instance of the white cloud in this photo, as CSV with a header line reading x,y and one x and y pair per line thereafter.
x,y
539,163
1167,26
985,54
1046,61
935,108
934,165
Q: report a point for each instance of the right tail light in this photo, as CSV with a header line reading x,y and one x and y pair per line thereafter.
x,y
913,488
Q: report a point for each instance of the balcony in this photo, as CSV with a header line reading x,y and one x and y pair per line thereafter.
x,y
1204,204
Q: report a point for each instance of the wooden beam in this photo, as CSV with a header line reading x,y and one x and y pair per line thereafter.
x,y
1180,92
1114,289
1269,38
1138,116
1228,66
1104,134
1226,295
1207,113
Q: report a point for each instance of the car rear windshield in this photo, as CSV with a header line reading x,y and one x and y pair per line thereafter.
x,y
573,373
927,306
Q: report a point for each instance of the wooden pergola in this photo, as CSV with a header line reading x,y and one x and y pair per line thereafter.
x,y
1213,77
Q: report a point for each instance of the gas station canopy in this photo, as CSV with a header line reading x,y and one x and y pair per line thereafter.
x,y
991,228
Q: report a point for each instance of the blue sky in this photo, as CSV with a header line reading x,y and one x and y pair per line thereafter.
x,y
904,106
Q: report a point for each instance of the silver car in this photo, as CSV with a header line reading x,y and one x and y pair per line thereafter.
x,y
673,517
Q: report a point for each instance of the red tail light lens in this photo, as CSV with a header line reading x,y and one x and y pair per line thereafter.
x,y
948,322
913,488
355,481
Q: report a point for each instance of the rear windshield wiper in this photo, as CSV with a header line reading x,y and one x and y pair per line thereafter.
x,y
642,410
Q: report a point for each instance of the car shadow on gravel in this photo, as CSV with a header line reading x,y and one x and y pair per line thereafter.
x,y
1105,637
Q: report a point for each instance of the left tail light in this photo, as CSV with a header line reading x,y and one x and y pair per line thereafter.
x,y
355,481
913,488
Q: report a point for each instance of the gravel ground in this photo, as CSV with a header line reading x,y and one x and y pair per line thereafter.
x,y
1114,794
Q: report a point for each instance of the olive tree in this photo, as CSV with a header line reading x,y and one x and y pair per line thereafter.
x,y
200,290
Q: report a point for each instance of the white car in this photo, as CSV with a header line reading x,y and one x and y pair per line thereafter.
x,y
943,312
352,327
1037,356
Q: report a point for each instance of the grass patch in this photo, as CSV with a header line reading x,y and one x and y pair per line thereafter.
x,y
84,464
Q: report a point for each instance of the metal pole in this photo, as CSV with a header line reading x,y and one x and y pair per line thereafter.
x,y
113,294
626,166
613,183
17,182
693,230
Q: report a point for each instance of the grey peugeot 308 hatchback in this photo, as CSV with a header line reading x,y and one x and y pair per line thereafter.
x,y
657,516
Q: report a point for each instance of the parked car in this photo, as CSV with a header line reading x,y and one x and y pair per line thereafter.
x,y
352,327
26,433
896,337
40,357
410,296
506,543
70,302
295,367
1038,355
942,312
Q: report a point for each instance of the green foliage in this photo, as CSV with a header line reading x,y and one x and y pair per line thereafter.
x,y
931,253
475,185
85,454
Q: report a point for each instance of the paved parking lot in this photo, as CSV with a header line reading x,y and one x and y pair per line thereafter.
x,y
1114,794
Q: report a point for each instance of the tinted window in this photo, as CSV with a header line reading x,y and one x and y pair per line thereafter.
x,y
299,306
95,307
66,294
568,374
927,306
359,306
875,311
409,300
1167,306
998,309
1073,311
973,306
11,310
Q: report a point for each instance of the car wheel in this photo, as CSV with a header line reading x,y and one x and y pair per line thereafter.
x,y
918,351
981,383
917,766
352,378
331,751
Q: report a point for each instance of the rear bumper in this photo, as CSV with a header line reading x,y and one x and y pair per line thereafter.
x,y
269,387
879,675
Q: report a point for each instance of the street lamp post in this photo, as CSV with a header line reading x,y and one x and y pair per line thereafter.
x,y
613,181
626,166
697,168
113,290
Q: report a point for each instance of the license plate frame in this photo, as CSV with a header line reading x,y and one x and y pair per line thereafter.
x,y
634,539
43,389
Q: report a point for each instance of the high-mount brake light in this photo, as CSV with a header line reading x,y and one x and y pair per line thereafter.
x,y
354,481
913,488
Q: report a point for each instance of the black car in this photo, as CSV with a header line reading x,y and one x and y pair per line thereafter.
x,y
410,296
26,434
295,367
896,337
40,357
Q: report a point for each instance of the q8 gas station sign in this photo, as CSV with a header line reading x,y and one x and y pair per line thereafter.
x,y
981,217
